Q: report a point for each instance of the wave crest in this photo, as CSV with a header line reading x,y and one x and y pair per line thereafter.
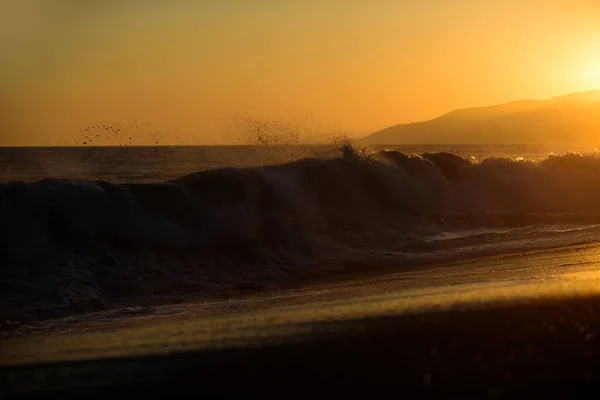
x,y
68,243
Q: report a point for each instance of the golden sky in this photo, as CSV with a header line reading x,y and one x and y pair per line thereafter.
x,y
187,68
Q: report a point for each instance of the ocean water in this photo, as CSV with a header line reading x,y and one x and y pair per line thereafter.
x,y
86,228
155,164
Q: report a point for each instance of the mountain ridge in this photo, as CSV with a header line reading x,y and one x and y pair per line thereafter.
x,y
567,118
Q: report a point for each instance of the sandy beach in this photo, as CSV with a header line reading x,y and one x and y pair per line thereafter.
x,y
529,302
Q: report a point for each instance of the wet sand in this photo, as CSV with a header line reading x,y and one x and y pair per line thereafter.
x,y
491,326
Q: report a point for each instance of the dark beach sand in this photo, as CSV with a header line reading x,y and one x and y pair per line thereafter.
x,y
524,324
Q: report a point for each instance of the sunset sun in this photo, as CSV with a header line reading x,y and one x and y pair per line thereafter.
x,y
590,75
595,76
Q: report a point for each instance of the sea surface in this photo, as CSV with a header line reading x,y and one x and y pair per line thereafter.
x,y
89,228
160,163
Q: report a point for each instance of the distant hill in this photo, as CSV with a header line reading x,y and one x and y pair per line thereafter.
x,y
574,118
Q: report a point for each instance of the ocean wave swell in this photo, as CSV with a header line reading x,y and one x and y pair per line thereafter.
x,y
78,245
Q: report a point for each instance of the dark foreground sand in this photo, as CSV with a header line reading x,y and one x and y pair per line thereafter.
x,y
523,325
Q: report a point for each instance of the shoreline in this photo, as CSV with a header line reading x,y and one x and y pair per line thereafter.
x,y
342,285
542,344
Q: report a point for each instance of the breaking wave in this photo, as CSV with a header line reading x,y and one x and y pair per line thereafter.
x,y
79,245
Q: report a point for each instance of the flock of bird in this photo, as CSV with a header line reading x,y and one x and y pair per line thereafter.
x,y
247,129
121,135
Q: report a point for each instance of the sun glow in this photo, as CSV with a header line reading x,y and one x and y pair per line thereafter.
x,y
591,74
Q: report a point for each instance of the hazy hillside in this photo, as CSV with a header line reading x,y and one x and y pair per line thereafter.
x,y
573,118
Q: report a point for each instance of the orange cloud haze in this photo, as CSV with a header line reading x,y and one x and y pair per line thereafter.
x,y
185,68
